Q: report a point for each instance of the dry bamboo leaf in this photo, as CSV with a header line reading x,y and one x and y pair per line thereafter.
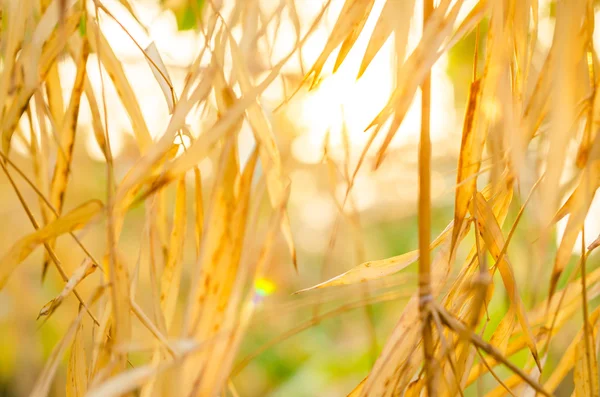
x,y
62,170
85,269
169,283
494,240
97,125
201,146
579,204
374,270
413,72
15,13
401,356
42,385
219,268
77,370
69,222
570,44
395,17
38,71
353,36
159,70
504,330
121,305
219,261
586,383
469,161
539,317
268,151
44,29
147,165
352,18
113,66
198,209
101,353
227,349
478,342
571,354
55,96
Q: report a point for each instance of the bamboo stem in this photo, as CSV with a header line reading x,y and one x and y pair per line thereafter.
x,y
424,212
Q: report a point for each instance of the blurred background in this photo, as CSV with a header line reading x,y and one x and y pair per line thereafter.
x,y
327,340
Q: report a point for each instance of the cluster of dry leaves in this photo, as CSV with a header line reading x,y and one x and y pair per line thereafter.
x,y
436,345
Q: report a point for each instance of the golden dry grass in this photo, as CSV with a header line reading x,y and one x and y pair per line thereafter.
x,y
515,111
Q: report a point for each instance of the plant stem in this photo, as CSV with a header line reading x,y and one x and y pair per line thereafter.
x,y
425,222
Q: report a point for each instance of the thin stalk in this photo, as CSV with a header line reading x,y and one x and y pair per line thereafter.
x,y
587,331
425,223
